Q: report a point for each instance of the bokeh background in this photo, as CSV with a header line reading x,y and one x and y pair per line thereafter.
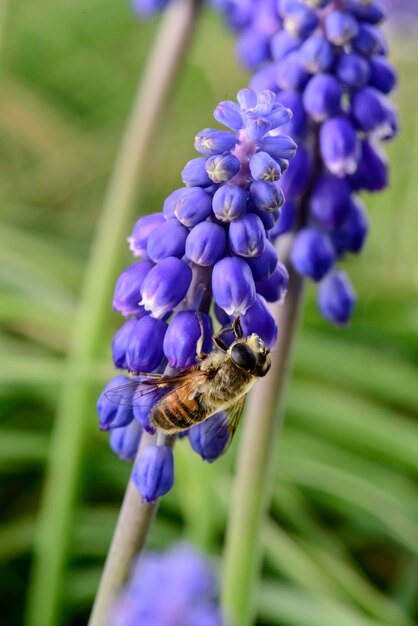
x,y
341,537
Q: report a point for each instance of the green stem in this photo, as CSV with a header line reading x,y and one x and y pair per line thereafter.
x,y
253,483
75,410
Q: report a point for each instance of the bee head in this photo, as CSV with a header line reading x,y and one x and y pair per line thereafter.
x,y
251,355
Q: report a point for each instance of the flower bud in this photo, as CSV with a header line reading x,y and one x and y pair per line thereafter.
x,y
268,218
382,74
263,266
206,244
247,236
165,286
317,55
330,200
336,298
125,441
312,254
274,288
352,70
128,289
229,202
247,99
295,180
369,11
286,220
351,234
372,173
153,473
233,286
169,239
142,230
266,196
120,344
264,167
182,337
279,147
228,113
258,319
368,41
113,415
190,205
340,27
211,142
222,167
370,109
256,126
145,346
300,21
210,438
322,97
290,74
282,43
194,173
339,146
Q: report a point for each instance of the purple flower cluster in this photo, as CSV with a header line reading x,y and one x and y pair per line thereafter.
x,y
211,242
179,588
327,62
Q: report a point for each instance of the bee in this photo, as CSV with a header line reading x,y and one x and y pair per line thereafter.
x,y
218,382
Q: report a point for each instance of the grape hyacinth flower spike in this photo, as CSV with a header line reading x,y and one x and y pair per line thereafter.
x,y
327,61
210,243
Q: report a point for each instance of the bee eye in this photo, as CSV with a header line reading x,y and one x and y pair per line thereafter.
x,y
243,356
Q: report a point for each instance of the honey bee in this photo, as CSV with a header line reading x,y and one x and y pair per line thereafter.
x,y
219,381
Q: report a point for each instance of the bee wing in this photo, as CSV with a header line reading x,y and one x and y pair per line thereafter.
x,y
138,393
223,425
233,416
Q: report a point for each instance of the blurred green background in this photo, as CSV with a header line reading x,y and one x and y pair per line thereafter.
x,y
341,538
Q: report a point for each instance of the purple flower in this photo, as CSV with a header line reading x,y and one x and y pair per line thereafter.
x,y
153,473
258,319
182,336
339,146
165,286
210,438
275,287
128,289
313,254
229,202
330,201
233,286
145,345
263,266
113,415
167,240
124,441
206,244
142,230
247,236
336,298
178,588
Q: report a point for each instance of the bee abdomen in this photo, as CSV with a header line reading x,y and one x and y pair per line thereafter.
x,y
173,414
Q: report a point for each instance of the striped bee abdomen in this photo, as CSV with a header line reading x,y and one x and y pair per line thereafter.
x,y
174,413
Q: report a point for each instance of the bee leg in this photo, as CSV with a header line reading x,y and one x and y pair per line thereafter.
x,y
221,344
143,375
237,328
201,356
